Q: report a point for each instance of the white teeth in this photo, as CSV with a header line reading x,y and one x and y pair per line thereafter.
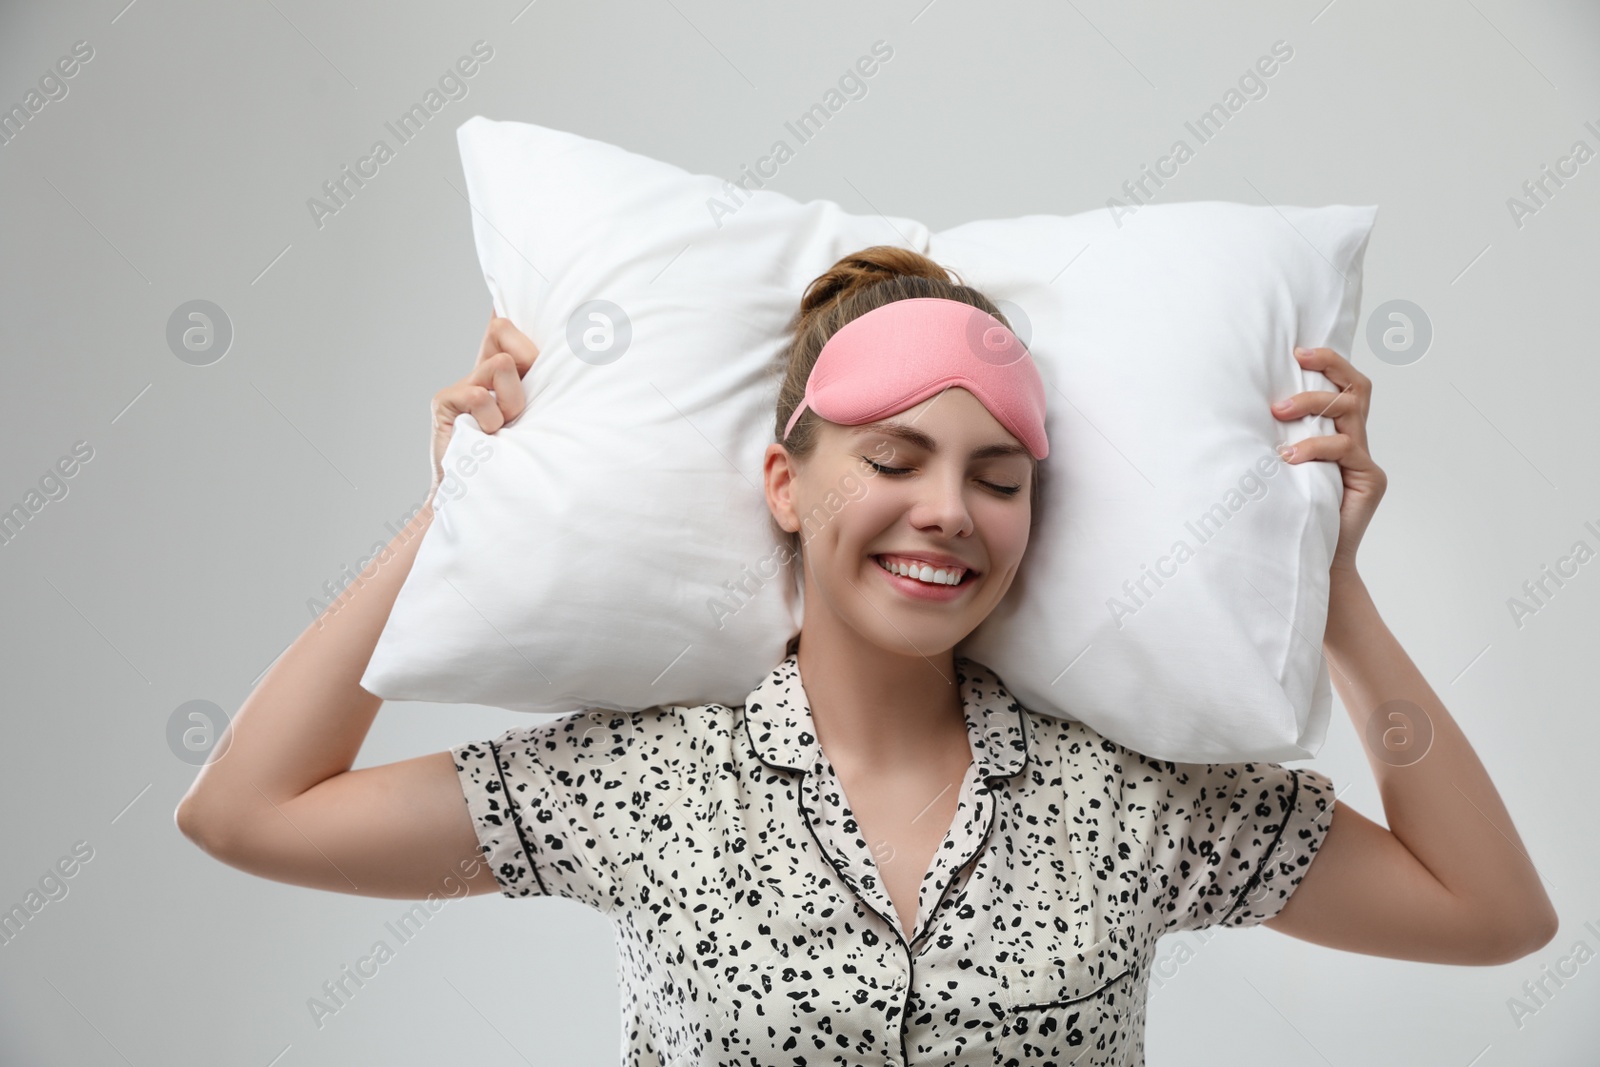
x,y
923,574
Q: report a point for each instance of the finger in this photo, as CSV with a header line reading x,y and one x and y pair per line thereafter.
x,y
1310,448
503,336
1317,402
499,373
472,398
1338,448
1335,368
1347,408
489,345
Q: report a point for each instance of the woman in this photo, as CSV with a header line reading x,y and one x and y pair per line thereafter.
x,y
993,888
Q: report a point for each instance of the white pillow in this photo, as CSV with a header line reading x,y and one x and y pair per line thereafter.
x,y
617,550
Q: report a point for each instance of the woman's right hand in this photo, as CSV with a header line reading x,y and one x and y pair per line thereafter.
x,y
503,359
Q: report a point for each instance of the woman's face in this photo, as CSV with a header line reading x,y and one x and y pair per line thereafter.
x,y
954,500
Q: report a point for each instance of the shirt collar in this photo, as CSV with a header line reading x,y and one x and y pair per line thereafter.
x,y
778,720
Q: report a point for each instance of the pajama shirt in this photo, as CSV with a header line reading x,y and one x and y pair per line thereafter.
x,y
753,927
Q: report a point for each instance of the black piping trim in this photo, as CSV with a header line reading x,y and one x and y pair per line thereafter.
x,y
1109,982
755,749
1272,849
1021,717
516,819
894,923
1027,749
977,853
750,738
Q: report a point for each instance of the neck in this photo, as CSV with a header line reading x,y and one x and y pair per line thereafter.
x,y
875,711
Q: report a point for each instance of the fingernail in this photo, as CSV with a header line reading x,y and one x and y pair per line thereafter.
x,y
1302,352
1286,452
1283,405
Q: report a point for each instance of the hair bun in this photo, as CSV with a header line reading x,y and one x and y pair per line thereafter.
x,y
865,268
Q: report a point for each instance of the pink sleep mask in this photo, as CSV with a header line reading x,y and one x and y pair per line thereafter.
x,y
902,353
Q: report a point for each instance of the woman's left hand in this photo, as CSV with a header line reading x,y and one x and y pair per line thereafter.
x,y
1364,480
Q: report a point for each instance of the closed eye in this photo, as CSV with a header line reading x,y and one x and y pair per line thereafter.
x,y
1005,490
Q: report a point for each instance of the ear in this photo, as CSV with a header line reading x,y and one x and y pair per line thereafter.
x,y
778,474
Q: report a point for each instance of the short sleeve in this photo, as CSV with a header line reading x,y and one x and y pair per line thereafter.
x,y
553,804
1235,839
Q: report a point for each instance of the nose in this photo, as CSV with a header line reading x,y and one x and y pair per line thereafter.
x,y
941,504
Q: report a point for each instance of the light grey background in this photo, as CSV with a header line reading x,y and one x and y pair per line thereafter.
x,y
220,498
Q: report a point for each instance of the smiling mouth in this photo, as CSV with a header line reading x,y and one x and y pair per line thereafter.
x,y
967,576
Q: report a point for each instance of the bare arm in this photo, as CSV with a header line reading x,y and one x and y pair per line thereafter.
x,y
278,798
1450,881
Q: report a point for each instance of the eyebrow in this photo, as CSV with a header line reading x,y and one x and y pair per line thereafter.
x,y
916,437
